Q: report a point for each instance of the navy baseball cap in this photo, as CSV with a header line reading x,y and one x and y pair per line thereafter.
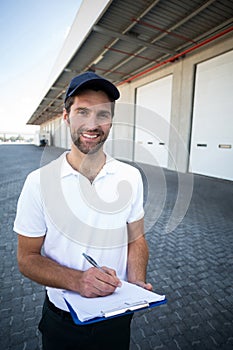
x,y
92,80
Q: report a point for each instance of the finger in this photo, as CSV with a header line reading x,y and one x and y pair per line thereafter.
x,y
112,273
96,283
109,271
148,286
105,277
104,287
144,285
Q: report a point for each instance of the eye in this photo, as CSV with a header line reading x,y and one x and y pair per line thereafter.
x,y
104,115
82,112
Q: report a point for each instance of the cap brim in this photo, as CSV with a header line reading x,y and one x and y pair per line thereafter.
x,y
97,84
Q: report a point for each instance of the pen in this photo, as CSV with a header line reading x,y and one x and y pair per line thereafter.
x,y
93,262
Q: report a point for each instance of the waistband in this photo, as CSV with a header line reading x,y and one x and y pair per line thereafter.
x,y
52,307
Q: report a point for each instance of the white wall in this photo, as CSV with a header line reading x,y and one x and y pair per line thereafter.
x,y
122,134
57,132
63,132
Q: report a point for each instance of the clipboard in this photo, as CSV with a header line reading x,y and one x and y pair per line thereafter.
x,y
126,300
114,313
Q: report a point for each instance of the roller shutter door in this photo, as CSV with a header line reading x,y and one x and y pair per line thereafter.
x,y
212,128
153,113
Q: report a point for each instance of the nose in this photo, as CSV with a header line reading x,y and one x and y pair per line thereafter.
x,y
92,121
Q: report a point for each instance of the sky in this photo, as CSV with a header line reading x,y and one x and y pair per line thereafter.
x,y
32,34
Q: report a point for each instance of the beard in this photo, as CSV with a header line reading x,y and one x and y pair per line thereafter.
x,y
88,147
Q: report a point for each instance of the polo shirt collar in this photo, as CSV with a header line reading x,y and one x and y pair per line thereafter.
x,y
109,167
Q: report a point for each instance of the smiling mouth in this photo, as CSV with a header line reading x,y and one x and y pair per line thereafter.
x,y
88,141
90,136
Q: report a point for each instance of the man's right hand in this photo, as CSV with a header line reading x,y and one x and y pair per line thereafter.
x,y
98,283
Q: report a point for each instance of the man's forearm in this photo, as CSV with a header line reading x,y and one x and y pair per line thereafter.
x,y
47,272
137,260
43,270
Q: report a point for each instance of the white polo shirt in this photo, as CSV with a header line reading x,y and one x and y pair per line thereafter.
x,y
77,216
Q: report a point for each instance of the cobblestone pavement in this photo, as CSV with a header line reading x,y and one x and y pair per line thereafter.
x,y
193,266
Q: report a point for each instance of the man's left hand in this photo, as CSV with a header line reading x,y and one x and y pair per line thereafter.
x,y
144,285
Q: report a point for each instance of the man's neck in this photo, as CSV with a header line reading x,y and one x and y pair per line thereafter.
x,y
88,165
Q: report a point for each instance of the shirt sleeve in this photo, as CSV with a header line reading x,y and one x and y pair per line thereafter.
x,y
137,211
29,220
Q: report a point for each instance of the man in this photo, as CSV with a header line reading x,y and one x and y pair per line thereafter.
x,y
77,205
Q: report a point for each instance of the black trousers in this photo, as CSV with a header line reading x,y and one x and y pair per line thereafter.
x,y
59,332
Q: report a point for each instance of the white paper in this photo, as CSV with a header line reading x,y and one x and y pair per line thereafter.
x,y
127,295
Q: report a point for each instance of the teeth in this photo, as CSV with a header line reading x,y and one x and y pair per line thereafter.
x,y
90,136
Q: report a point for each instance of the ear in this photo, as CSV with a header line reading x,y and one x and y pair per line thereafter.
x,y
66,117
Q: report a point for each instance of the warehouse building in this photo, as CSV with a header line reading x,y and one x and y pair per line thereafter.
x,y
173,64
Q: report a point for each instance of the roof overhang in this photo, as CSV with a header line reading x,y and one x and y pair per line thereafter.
x,y
121,40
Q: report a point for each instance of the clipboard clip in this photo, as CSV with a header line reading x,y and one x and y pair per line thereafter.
x,y
124,308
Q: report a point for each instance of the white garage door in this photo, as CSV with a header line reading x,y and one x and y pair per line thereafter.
x,y
153,112
212,129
